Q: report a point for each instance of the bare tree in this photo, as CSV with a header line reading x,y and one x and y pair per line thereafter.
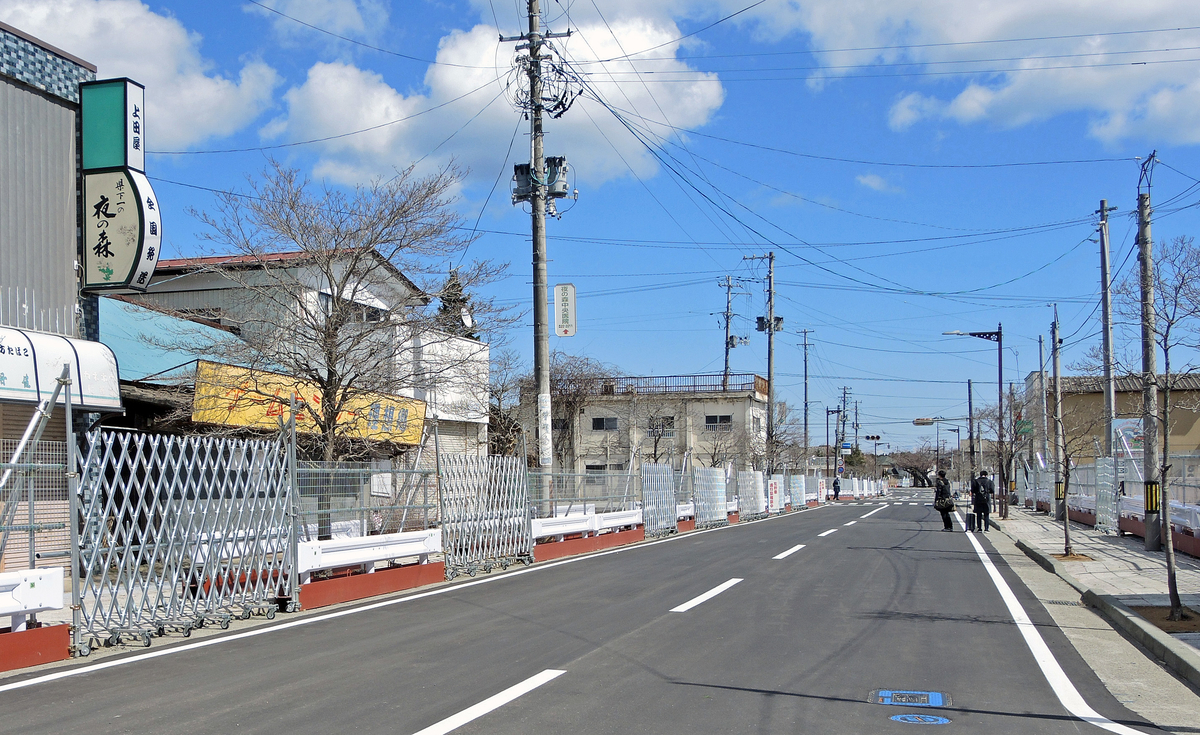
x,y
917,463
504,388
318,284
575,384
1176,308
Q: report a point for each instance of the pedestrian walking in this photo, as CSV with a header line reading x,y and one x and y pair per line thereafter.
x,y
982,489
837,487
943,502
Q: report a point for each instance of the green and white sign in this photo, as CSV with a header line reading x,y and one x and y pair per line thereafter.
x,y
122,223
122,230
114,124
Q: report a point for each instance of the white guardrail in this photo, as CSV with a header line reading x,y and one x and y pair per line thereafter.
x,y
685,510
30,591
345,552
580,523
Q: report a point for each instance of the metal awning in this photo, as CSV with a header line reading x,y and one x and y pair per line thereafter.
x,y
30,363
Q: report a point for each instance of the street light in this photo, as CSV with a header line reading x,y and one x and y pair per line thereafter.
x,y
997,337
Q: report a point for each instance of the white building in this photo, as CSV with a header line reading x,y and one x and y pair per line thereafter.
x,y
243,294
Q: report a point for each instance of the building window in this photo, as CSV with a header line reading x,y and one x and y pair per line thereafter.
x,y
757,425
604,423
721,422
662,427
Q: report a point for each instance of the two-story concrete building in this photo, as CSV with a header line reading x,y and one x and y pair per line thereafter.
x,y
608,423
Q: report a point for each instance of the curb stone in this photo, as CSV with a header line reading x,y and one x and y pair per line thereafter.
x,y
1176,655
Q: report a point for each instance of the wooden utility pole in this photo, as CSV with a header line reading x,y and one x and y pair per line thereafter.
x,y
1061,470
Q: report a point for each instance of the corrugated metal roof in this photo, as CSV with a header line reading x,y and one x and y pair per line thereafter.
x,y
132,331
1123,383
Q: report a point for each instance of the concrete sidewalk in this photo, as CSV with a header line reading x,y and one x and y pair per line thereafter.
x,y
1121,575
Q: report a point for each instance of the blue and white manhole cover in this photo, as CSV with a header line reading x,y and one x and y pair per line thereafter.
x,y
921,719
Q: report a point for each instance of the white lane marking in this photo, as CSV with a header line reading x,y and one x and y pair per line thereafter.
x,y
496,701
789,552
912,503
1066,692
706,596
264,630
832,530
874,511
851,523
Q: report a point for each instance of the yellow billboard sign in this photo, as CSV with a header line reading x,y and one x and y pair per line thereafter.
x,y
238,396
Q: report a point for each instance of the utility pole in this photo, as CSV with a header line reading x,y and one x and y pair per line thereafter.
x,y
805,332
1060,498
1149,365
533,40
728,333
856,424
971,425
1110,392
770,326
1042,390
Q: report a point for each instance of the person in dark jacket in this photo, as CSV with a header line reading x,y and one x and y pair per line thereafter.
x,y
943,502
982,490
837,487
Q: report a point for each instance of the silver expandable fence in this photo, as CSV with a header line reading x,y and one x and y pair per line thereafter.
x,y
485,513
179,532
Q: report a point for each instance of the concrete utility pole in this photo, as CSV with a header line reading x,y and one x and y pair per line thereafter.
x,y
534,40
1149,368
1060,499
1042,390
971,425
728,332
1110,392
805,332
770,327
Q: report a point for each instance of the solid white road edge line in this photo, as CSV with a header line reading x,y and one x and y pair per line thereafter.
x,y
874,511
322,617
851,523
706,596
496,701
1066,692
789,552
832,530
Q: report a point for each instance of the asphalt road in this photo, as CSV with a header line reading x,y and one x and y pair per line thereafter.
x,y
591,645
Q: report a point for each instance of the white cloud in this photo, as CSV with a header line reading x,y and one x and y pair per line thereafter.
x,y
1153,101
185,103
340,97
876,182
351,18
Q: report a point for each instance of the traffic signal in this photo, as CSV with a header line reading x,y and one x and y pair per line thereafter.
x,y
872,437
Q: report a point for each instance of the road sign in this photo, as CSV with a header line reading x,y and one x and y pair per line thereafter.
x,y
564,309
840,469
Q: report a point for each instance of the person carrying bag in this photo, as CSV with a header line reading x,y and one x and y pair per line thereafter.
x,y
943,502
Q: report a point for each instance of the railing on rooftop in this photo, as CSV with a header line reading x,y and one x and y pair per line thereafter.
x,y
736,383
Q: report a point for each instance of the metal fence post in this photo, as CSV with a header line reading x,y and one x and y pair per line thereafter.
x,y
294,505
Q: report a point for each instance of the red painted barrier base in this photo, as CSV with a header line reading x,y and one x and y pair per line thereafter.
x,y
1082,516
1184,543
813,503
687,525
734,517
35,646
360,586
571,547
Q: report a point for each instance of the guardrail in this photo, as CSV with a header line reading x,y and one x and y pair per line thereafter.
x,y
346,552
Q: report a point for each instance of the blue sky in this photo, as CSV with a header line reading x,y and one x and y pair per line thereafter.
x,y
856,139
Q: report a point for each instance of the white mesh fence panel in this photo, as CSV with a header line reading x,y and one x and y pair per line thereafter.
x,y
710,497
658,499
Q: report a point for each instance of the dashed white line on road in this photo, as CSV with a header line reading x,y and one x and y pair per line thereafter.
x,y
874,511
789,552
912,503
832,530
706,596
851,523
493,702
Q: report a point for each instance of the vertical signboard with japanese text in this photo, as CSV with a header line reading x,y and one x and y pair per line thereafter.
x,y
122,228
564,310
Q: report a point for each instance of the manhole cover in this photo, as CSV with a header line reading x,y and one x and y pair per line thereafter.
x,y
910,698
921,719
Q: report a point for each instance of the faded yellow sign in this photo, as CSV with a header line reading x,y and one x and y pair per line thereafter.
x,y
238,396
